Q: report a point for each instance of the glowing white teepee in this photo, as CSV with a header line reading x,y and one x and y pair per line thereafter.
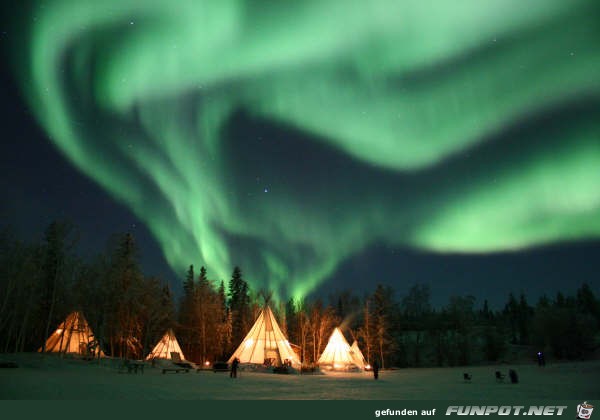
x,y
357,356
167,345
266,344
337,354
73,336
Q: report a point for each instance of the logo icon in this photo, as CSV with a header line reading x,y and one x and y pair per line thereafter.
x,y
584,410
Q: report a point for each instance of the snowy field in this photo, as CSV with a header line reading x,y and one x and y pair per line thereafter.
x,y
54,378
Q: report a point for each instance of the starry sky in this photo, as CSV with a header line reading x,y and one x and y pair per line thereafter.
x,y
319,145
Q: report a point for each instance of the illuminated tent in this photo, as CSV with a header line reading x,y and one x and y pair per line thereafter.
x,y
337,354
168,344
73,336
357,356
265,344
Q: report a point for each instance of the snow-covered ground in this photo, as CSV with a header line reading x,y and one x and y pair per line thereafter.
x,y
50,377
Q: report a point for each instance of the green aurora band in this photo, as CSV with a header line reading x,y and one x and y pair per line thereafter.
x,y
467,126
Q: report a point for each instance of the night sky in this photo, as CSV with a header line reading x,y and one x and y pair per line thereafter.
x,y
319,145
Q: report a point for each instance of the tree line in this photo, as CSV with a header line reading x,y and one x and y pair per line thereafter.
x,y
41,283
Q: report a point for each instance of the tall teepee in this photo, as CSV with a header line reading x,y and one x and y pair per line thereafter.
x,y
73,335
357,356
168,344
337,354
266,344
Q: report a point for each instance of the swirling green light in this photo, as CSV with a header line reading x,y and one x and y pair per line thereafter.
x,y
138,96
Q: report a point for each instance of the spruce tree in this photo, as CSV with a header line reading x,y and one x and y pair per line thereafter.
x,y
186,313
205,311
511,314
188,283
127,288
239,305
524,318
53,269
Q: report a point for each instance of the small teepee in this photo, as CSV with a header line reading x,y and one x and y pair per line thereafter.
x,y
265,344
168,344
357,356
337,354
73,336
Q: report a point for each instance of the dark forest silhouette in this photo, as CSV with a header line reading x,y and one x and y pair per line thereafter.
x,y
40,283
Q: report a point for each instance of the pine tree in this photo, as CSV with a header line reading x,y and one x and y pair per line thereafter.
x,y
205,310
486,314
291,321
511,313
222,300
462,317
587,302
188,283
524,317
53,272
224,323
156,311
186,313
127,288
415,310
239,305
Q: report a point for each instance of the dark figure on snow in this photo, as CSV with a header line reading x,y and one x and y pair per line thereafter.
x,y
541,360
376,369
514,378
234,367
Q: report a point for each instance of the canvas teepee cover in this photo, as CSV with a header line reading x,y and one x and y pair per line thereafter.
x,y
265,343
337,353
357,356
73,335
167,345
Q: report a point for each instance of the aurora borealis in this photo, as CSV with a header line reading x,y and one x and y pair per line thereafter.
x,y
286,137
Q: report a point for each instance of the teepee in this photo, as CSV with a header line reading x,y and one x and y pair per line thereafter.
x,y
265,344
168,344
337,354
73,335
357,356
